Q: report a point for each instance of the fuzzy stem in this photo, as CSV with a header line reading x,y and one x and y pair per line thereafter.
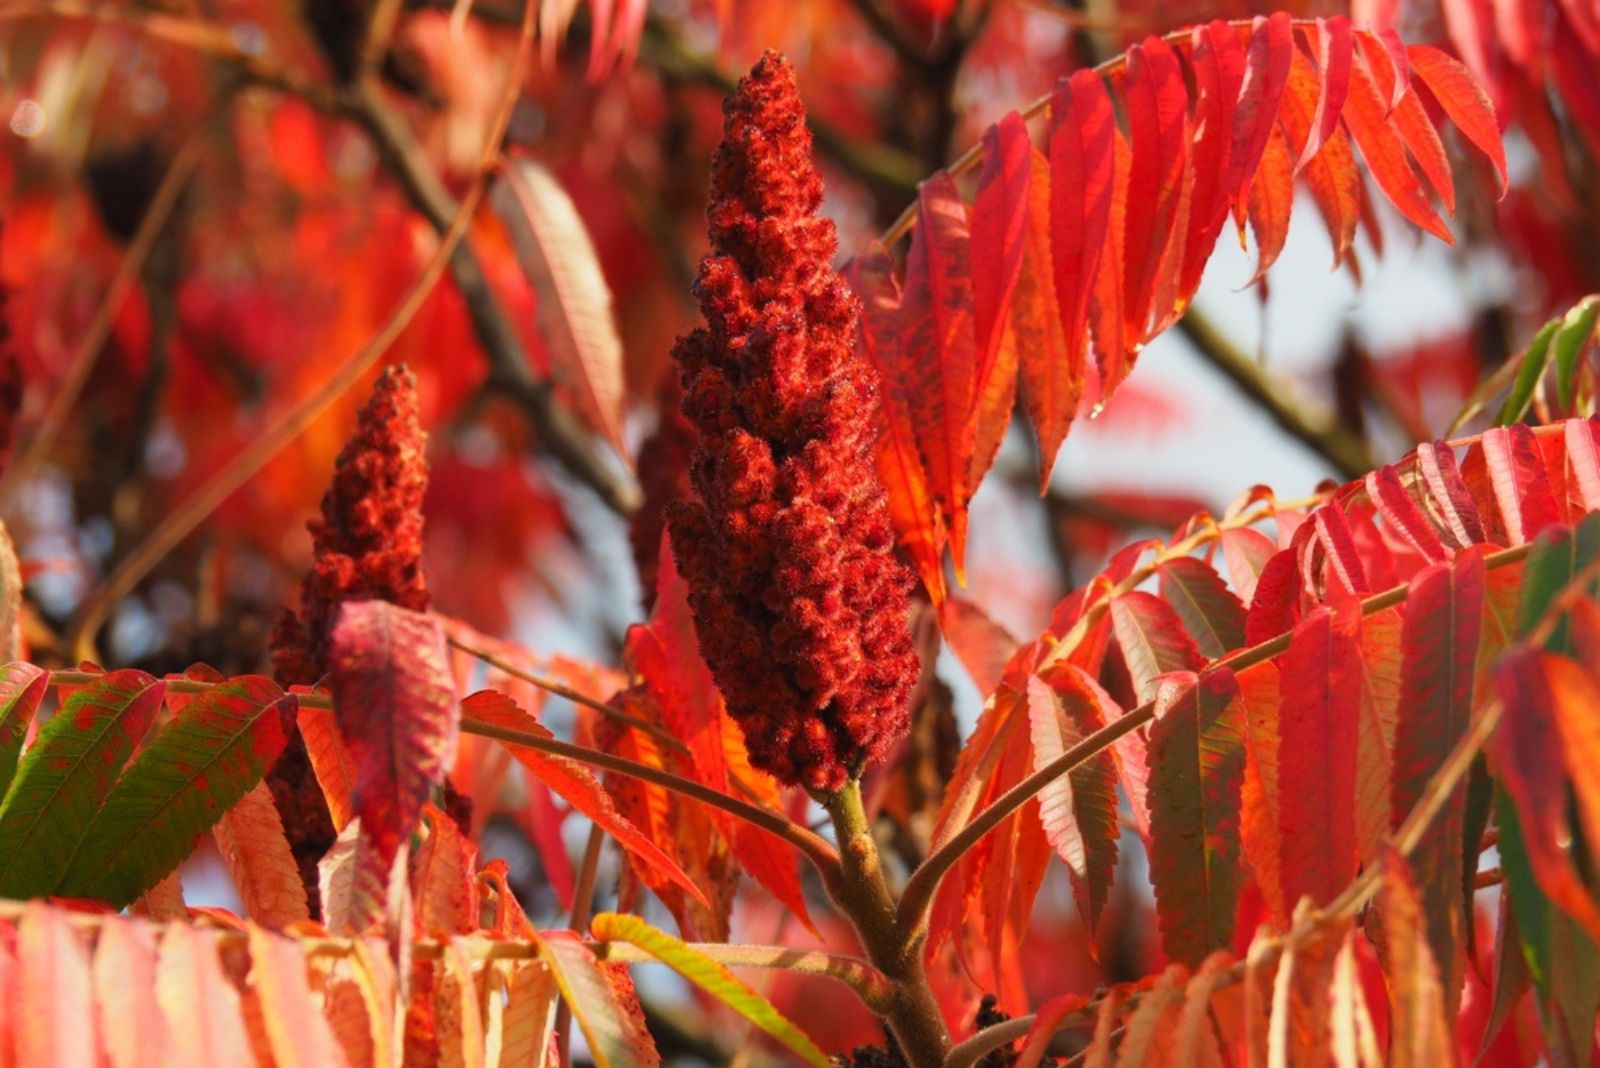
x,y
862,893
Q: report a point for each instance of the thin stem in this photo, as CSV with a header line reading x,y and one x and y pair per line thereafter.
x,y
924,882
582,906
859,889
143,243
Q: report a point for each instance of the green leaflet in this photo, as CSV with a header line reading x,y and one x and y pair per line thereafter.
x,y
710,976
197,768
1558,554
1529,370
63,779
1575,328
22,687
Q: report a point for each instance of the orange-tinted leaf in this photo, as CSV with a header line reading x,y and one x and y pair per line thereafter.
x,y
1332,42
941,349
1051,370
295,1029
1078,810
330,760
529,991
199,1001
999,227
1258,800
58,1026
1420,1028
458,1016
1197,758
350,883
251,840
574,782
1367,118
1152,1024
602,1002
444,879
134,1030
1269,57
1320,685
1082,180
1272,202
1462,98
398,716
919,525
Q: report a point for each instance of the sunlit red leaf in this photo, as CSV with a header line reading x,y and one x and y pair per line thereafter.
x,y
1082,187
1521,485
1462,98
397,714
1367,118
919,525
1157,102
1272,202
1218,59
330,760
1450,496
1332,43
1400,509
22,687
1320,683
983,646
1269,57
941,349
1051,371
444,879
1420,1033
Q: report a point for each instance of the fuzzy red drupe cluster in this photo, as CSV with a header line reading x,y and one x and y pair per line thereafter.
x,y
367,544
800,605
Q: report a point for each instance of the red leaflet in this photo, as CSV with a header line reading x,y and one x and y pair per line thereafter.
x,y
1521,485
941,351
1577,695
1331,174
1276,604
1052,372
1451,498
983,646
919,526
1332,42
1367,117
1266,75
1537,689
1158,124
1211,613
1397,506
1246,552
1078,810
1152,639
397,710
1259,702
1218,59
1439,641
1410,118
1115,350
1585,460
1344,562
1197,758
1320,685
1083,135
999,226
1271,202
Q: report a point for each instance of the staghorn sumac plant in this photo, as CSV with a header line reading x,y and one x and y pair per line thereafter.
x,y
1324,726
